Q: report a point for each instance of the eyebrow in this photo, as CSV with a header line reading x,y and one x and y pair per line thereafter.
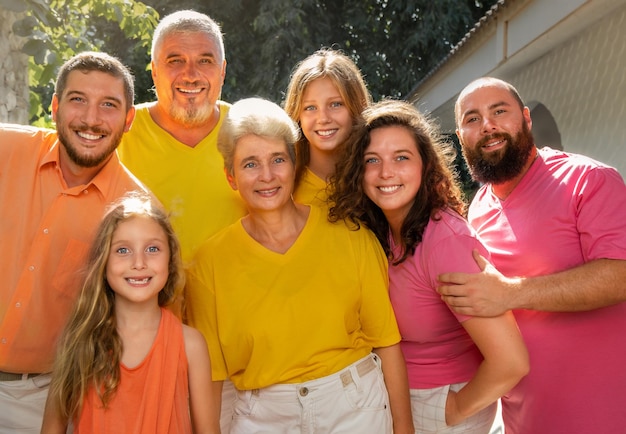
x,y
71,93
397,151
490,107
181,54
256,157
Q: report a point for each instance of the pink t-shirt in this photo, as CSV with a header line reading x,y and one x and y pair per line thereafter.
x,y
567,210
437,349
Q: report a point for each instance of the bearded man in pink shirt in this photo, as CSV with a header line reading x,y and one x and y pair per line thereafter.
x,y
555,227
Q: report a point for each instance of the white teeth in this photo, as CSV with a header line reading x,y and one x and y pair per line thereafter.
x,y
389,189
489,145
273,190
88,136
138,281
190,90
326,133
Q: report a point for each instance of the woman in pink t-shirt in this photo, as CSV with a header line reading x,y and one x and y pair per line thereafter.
x,y
396,179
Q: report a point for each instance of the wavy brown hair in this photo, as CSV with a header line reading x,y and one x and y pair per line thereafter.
x,y
345,75
90,348
439,188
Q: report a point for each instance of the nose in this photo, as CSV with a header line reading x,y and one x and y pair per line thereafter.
x,y
266,173
191,71
139,261
488,125
386,170
91,115
324,116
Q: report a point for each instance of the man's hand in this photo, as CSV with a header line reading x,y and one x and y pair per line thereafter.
x,y
486,294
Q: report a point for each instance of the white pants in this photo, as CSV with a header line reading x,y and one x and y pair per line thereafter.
x,y
229,395
428,407
353,400
22,403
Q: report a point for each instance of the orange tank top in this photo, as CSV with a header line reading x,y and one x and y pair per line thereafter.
x,y
152,398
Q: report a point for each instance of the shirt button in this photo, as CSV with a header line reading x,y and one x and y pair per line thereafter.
x,y
18,304
45,231
31,268
85,192
304,391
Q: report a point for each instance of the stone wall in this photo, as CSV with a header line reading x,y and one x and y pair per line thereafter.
x,y
14,93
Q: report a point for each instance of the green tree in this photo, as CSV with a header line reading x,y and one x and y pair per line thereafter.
x,y
58,29
395,43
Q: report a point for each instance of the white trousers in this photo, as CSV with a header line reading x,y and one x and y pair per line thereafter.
x,y
22,403
353,400
428,407
229,395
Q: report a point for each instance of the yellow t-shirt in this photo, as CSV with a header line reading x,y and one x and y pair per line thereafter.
x,y
190,182
311,190
273,318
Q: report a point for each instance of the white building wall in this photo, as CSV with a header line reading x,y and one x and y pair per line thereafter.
x,y
583,84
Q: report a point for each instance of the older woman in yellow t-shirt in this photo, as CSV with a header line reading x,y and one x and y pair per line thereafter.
x,y
295,309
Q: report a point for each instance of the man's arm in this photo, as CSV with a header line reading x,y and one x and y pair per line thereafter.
x,y
596,284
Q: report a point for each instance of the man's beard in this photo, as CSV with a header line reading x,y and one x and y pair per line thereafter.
x,y
501,165
89,160
191,116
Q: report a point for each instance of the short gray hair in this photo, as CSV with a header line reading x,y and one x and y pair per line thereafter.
x,y
187,21
258,117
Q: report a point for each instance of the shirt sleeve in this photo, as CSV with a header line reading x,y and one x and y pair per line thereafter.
x,y
601,207
201,310
377,318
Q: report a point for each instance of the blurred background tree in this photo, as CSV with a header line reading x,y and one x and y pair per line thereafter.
x,y
394,43
57,29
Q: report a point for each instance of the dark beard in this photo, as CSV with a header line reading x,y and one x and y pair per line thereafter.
x,y
88,161
502,165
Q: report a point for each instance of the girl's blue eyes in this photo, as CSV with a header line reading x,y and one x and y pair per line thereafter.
x,y
332,105
126,250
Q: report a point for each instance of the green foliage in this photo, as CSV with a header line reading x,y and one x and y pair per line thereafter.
x,y
395,43
58,29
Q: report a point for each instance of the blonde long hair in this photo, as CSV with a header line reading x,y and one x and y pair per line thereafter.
x,y
90,348
345,75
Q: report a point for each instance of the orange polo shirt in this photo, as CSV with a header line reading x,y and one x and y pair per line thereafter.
x,y
46,230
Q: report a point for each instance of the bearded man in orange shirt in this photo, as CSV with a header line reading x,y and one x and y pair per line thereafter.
x,y
54,188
